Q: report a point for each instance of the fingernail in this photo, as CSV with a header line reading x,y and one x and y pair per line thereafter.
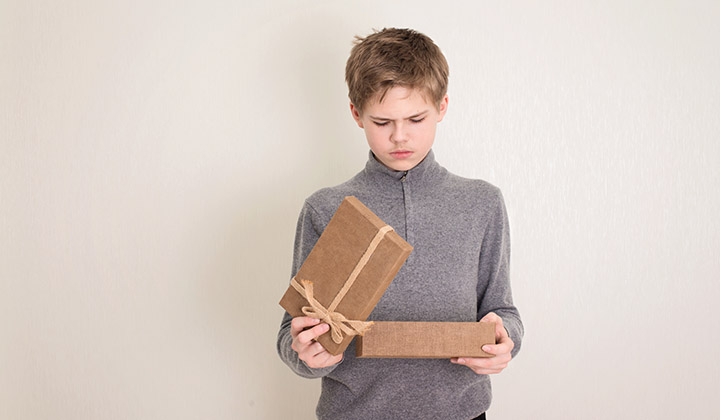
x,y
461,360
486,349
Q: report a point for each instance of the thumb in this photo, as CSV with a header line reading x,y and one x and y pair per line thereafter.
x,y
500,330
491,317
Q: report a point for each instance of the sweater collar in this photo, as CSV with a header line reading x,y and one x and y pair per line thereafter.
x,y
422,172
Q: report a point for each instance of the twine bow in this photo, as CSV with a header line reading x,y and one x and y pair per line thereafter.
x,y
335,320
338,323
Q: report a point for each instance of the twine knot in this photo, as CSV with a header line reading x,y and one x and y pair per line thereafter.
x,y
337,321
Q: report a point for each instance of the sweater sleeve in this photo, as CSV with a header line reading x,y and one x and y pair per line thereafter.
x,y
306,235
494,293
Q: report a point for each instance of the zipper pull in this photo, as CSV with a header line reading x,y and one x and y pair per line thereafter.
x,y
403,177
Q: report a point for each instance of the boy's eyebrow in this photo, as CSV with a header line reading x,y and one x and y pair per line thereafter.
x,y
419,114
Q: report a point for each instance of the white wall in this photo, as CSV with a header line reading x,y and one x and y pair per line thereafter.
x,y
154,157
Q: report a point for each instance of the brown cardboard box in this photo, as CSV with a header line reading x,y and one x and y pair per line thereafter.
x,y
426,340
335,256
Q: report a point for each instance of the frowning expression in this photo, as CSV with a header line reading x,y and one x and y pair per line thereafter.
x,y
400,130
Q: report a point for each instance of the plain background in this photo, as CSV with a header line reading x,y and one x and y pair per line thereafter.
x,y
154,157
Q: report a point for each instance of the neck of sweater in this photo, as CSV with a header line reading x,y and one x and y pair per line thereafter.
x,y
424,173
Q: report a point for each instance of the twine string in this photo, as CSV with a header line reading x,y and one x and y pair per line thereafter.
x,y
337,321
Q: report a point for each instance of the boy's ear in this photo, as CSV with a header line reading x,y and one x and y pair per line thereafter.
x,y
356,115
442,109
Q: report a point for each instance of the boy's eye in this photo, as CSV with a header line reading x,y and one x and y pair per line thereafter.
x,y
380,124
418,120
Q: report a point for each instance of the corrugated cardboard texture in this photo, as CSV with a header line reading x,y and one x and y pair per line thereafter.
x,y
426,340
329,264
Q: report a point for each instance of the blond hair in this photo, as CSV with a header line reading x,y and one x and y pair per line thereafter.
x,y
395,57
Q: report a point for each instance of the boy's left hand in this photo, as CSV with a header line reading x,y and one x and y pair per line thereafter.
x,y
501,351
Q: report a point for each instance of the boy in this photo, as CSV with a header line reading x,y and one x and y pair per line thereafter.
x,y
458,270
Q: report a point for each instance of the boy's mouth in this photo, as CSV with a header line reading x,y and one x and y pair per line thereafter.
x,y
401,154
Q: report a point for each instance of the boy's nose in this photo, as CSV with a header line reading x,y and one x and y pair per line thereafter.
x,y
398,134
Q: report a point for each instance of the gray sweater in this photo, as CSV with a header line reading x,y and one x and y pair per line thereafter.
x,y
458,271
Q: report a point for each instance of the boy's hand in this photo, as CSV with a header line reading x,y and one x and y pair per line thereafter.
x,y
304,331
501,350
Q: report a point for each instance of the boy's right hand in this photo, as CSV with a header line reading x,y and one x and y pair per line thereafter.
x,y
304,330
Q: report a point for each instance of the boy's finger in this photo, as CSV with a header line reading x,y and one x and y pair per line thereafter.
x,y
491,349
500,330
316,349
501,348
482,366
300,323
472,362
332,360
491,317
307,336
325,359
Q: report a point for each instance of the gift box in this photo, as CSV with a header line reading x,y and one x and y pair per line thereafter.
x,y
346,273
426,340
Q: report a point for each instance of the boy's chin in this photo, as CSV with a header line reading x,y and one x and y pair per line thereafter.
x,y
399,165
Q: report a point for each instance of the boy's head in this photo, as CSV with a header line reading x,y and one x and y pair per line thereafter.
x,y
391,58
398,93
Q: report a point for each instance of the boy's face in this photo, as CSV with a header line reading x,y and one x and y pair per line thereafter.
x,y
401,129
